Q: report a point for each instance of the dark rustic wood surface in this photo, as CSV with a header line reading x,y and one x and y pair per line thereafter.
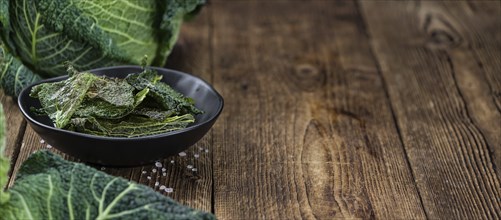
x,y
349,109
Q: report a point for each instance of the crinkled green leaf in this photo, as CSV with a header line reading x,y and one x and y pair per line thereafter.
x,y
108,99
60,100
132,126
162,93
89,33
14,75
49,187
152,113
174,13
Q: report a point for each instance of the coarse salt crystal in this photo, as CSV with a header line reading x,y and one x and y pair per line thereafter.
x,y
206,150
148,177
200,148
157,183
42,141
103,168
196,155
158,164
163,169
144,172
164,174
171,161
169,190
49,146
189,166
194,169
162,187
182,154
154,170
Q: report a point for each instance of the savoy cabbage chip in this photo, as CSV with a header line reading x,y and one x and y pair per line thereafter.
x,y
49,187
40,35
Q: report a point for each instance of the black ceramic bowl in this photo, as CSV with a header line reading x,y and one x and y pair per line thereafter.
x,y
130,151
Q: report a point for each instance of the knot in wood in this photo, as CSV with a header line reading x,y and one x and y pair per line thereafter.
x,y
306,70
307,77
441,37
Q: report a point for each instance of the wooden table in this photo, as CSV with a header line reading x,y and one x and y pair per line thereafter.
x,y
384,109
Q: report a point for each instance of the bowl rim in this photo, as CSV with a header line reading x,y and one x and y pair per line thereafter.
x,y
104,138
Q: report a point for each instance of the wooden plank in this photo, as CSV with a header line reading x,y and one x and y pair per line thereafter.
x,y
477,65
441,99
307,131
15,126
191,54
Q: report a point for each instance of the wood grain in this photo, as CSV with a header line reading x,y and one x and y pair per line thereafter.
x,y
191,188
438,92
307,131
477,67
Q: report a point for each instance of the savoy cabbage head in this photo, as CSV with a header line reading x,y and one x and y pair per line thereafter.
x,y
40,35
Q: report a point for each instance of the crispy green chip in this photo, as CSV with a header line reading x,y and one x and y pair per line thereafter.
x,y
136,106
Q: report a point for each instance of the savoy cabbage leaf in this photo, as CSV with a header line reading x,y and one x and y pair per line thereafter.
x,y
49,187
42,34
14,73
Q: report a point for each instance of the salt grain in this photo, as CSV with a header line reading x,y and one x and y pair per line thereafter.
x,y
144,172
154,170
148,177
200,148
157,183
49,146
162,187
169,190
103,168
189,166
42,141
182,154
171,161
164,174
163,169
158,164
196,155
206,150
194,169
